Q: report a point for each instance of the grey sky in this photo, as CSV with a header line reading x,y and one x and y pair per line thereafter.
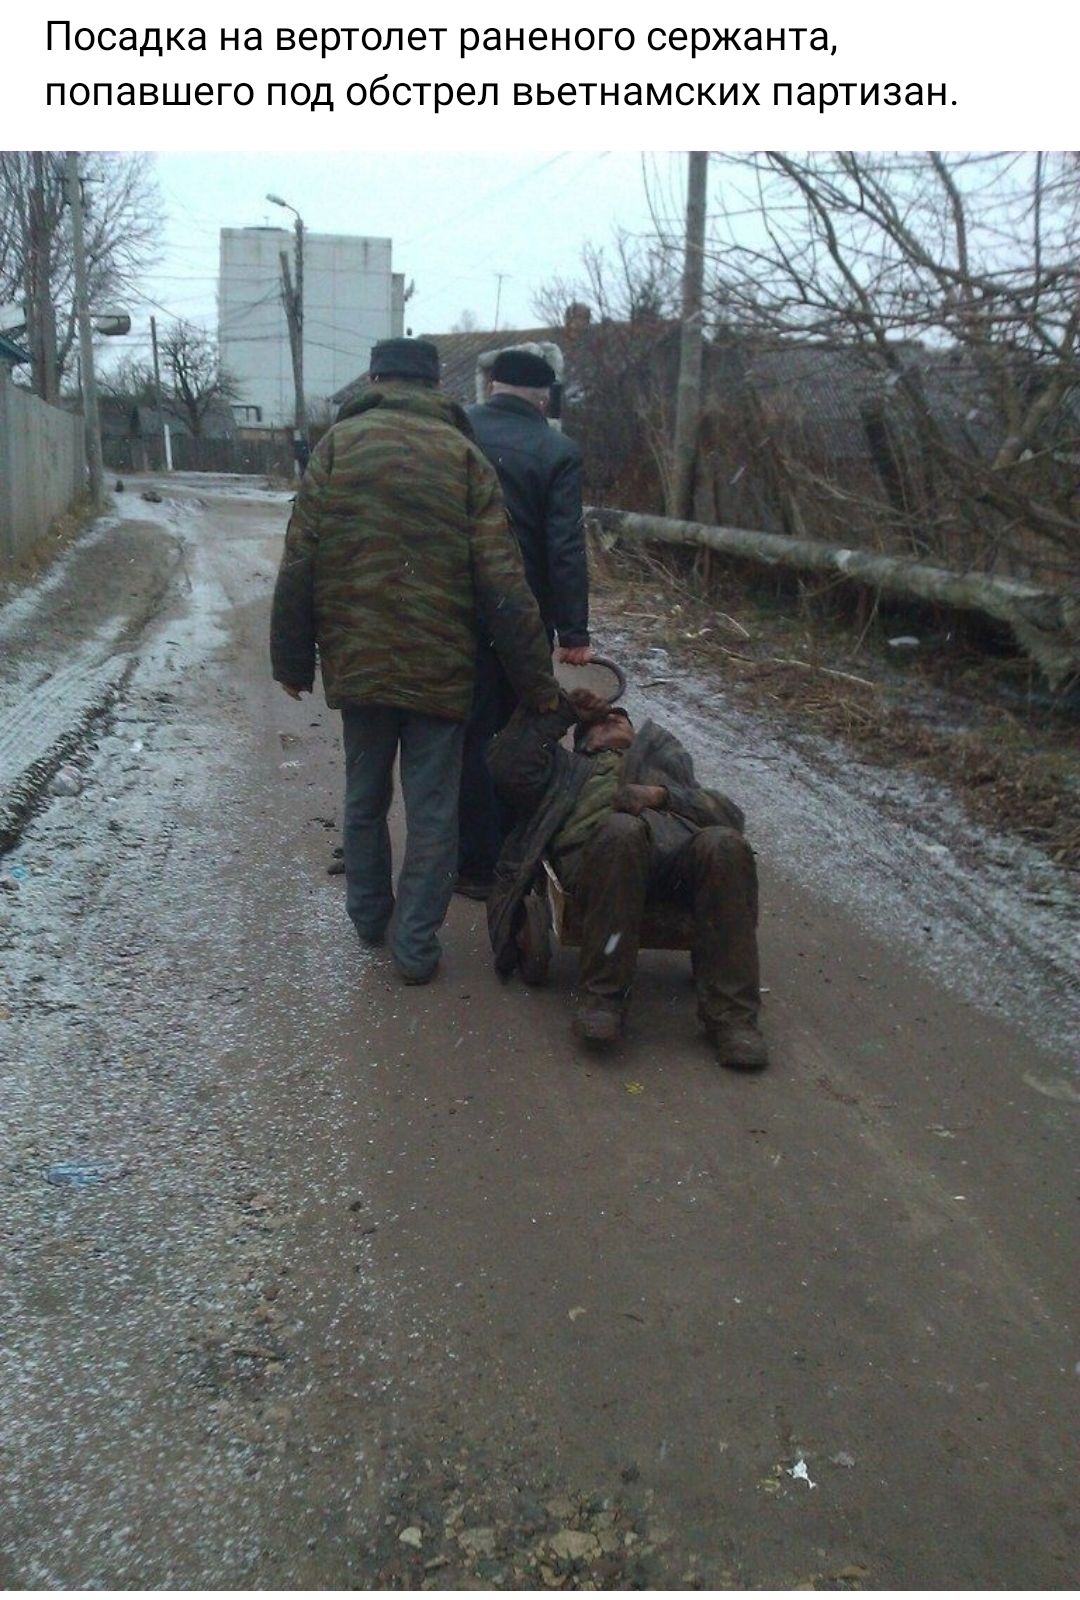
x,y
456,220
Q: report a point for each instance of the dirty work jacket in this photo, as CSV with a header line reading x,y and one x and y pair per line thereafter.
x,y
540,472
397,557
542,781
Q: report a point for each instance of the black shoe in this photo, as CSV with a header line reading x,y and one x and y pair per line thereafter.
x,y
473,888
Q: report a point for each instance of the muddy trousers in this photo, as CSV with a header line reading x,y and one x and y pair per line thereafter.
x,y
430,774
620,872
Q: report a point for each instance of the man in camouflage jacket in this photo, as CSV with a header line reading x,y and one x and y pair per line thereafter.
x,y
398,553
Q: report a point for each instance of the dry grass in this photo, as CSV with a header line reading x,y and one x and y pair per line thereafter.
x,y
33,562
940,712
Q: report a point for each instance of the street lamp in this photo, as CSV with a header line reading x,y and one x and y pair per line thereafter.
x,y
293,298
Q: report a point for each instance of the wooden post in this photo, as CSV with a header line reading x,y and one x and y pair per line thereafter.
x,y
688,399
166,453
301,400
292,299
86,341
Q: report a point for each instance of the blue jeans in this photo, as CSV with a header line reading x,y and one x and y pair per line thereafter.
x,y
430,777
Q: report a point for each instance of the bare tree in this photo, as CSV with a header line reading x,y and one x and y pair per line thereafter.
x,y
956,280
130,379
466,323
619,333
193,380
122,225
630,281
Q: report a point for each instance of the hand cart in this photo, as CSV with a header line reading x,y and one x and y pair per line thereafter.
x,y
551,916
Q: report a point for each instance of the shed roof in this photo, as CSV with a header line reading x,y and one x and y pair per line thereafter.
x,y
831,392
460,353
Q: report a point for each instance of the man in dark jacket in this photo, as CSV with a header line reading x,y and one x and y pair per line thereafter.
x,y
626,826
540,474
397,557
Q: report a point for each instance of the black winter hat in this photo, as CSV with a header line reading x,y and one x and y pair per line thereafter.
x,y
522,369
404,358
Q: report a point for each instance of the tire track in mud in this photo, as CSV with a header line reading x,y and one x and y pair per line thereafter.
x,y
69,643
49,724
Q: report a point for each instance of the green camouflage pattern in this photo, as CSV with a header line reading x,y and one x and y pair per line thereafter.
x,y
593,804
398,553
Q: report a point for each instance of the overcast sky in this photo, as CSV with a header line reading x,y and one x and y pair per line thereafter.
x,y
456,220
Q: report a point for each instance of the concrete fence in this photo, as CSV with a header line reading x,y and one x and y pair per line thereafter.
x,y
42,466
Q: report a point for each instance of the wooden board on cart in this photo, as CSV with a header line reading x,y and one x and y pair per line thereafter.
x,y
662,928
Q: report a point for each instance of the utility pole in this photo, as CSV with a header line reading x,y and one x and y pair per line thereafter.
x,y
86,342
499,276
301,402
293,300
688,399
294,315
166,446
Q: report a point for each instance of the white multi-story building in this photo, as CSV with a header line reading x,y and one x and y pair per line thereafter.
x,y
351,299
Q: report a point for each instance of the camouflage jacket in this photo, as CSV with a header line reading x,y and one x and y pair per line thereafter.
x,y
397,555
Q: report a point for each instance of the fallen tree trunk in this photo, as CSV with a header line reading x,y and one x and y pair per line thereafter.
x,y
1045,623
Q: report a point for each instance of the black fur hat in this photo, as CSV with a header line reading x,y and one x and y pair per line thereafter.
x,y
522,369
405,358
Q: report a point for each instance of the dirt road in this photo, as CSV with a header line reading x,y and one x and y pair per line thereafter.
x,y
314,1280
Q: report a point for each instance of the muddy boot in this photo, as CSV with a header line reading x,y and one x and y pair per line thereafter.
x,y
599,1021
738,1045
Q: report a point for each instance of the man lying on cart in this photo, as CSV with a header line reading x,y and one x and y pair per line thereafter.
x,y
627,830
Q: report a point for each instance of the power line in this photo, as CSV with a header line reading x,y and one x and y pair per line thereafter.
x,y
460,215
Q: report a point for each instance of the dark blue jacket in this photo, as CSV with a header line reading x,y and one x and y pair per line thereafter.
x,y
540,473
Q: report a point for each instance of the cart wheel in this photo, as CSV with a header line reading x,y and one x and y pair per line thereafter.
x,y
534,941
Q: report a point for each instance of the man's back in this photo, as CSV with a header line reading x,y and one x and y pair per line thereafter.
x,y
539,471
398,529
393,591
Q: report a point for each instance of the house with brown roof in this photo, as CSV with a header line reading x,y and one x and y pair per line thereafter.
x,y
796,437
612,375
